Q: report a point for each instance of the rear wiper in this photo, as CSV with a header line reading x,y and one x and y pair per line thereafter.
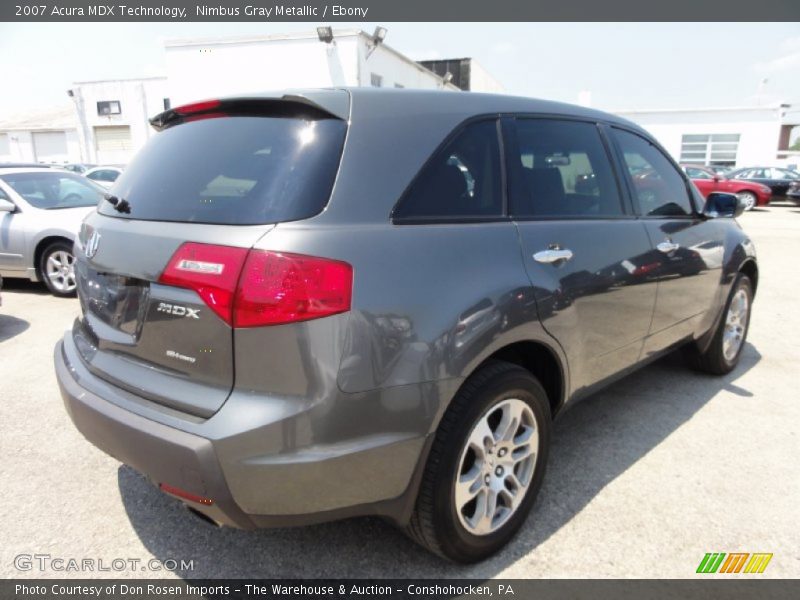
x,y
119,204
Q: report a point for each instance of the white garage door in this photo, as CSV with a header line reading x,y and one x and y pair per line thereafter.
x,y
50,146
113,144
112,138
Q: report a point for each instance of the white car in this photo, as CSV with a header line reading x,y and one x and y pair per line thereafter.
x,y
105,176
41,211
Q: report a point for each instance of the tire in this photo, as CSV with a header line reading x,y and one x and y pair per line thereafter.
x,y
749,198
489,397
57,269
719,358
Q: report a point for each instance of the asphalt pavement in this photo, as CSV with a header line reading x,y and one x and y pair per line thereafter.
x,y
644,478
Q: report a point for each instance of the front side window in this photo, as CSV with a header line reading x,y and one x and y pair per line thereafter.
x,y
462,180
562,169
657,185
54,190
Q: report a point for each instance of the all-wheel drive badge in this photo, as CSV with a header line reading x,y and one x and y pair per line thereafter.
x,y
90,249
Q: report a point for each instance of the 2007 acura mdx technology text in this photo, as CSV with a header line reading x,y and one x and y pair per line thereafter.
x,y
314,305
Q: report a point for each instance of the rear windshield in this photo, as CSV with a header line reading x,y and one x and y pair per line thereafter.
x,y
236,170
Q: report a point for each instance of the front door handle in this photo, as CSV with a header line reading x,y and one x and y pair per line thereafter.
x,y
552,255
668,246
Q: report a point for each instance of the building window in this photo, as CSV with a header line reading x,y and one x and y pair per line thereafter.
x,y
108,107
710,149
167,104
375,80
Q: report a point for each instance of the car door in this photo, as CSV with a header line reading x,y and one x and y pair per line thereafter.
x,y
12,235
581,247
780,181
688,249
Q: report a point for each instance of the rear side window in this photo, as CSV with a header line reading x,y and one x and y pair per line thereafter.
x,y
236,170
562,169
657,185
462,180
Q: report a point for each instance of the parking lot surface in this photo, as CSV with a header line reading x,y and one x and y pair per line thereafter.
x,y
644,478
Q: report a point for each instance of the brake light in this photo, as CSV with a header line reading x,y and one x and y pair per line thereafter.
x,y
211,271
197,107
278,287
259,287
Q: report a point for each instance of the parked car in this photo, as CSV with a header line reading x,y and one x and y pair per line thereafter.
x,y
105,176
78,167
23,165
778,180
356,254
794,192
752,194
40,214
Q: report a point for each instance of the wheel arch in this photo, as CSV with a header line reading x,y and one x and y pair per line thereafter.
x,y
42,245
542,361
750,268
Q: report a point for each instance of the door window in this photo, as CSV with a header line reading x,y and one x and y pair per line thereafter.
x,y
658,186
696,173
561,169
462,180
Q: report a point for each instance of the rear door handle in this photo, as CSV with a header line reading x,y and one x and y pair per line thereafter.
x,y
668,246
552,255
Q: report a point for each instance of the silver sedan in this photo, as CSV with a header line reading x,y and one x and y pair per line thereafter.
x,y
41,211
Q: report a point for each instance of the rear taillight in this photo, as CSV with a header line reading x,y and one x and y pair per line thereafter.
x,y
278,287
260,287
211,271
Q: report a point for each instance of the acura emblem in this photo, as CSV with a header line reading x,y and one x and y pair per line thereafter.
x,y
90,249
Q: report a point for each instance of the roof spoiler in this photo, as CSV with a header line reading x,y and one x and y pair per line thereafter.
x,y
314,106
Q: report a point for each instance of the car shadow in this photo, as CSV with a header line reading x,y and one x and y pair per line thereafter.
x,y
24,285
11,327
594,442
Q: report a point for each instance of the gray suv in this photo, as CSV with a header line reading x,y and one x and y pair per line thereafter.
x,y
315,305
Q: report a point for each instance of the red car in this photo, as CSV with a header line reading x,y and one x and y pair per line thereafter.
x,y
707,181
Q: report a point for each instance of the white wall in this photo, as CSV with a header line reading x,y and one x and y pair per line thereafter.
x,y
139,100
19,147
759,129
201,69
210,69
481,81
394,69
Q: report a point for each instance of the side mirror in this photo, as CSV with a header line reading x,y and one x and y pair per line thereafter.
x,y
7,205
720,204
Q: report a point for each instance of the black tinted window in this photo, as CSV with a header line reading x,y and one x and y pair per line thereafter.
x,y
461,180
241,170
562,169
658,186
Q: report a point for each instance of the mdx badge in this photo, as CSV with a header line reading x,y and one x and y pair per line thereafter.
x,y
178,311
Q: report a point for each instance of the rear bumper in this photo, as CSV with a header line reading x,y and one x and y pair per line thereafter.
x,y
259,462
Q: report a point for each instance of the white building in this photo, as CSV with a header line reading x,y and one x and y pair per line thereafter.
x,y
112,116
42,136
739,136
212,67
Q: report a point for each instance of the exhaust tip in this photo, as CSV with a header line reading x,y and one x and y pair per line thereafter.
x,y
202,516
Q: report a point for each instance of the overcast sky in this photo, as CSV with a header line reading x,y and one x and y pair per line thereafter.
x,y
640,65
